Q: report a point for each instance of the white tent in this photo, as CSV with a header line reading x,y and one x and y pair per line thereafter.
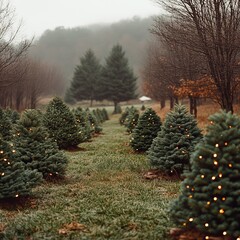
x,y
144,98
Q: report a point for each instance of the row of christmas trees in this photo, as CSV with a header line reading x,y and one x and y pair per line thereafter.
x,y
209,200
30,144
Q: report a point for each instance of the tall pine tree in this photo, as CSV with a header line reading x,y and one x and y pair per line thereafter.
x,y
209,200
85,82
118,83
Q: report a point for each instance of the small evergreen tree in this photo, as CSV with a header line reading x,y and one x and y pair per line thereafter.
x,y
132,120
5,125
171,149
95,127
124,116
82,120
146,130
61,124
35,148
209,200
15,179
118,83
105,114
13,115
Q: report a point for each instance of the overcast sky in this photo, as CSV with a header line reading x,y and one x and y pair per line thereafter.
x,y
39,15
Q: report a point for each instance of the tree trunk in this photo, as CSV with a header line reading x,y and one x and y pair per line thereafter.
x,y
171,102
162,103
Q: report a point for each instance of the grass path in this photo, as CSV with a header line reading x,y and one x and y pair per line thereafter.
x,y
104,191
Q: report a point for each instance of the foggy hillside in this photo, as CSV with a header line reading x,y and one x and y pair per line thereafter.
x,y
64,46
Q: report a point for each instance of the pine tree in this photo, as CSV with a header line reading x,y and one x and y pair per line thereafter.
x,y
84,85
83,122
132,120
171,149
5,125
13,115
35,148
61,124
95,127
209,200
124,116
105,114
146,130
15,179
118,83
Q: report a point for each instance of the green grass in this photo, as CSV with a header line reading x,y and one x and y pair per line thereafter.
x,y
104,189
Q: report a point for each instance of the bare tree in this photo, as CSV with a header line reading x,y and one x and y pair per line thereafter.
x,y
210,28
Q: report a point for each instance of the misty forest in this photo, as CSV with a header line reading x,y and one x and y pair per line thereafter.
x,y
129,130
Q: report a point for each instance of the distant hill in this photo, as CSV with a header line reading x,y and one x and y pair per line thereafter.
x,y
63,47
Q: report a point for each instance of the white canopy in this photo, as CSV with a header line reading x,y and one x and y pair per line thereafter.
x,y
144,98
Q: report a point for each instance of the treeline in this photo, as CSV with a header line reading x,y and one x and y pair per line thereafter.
x,y
22,79
63,46
196,53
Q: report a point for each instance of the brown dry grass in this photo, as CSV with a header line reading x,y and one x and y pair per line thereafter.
x,y
204,111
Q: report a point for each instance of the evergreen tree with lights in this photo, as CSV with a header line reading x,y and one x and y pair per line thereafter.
x,y
124,116
61,124
5,125
15,179
146,130
82,120
35,148
13,115
132,120
95,126
209,200
171,149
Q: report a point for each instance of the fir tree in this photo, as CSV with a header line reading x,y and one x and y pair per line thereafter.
x,y
61,124
209,200
82,120
35,148
105,114
15,179
118,83
146,130
171,149
124,116
132,120
95,127
5,125
13,115
87,75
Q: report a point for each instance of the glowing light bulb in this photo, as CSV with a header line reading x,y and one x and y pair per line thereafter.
x,y
230,165
213,178
219,187
202,176
206,224
215,155
221,211
207,237
217,145
187,186
220,175
208,203
215,199
16,195
3,174
190,219
200,157
224,233
215,163
223,198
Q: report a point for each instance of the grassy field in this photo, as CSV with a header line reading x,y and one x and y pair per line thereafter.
x,y
104,196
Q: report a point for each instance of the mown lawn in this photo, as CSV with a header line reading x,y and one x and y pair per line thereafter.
x,y
104,191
